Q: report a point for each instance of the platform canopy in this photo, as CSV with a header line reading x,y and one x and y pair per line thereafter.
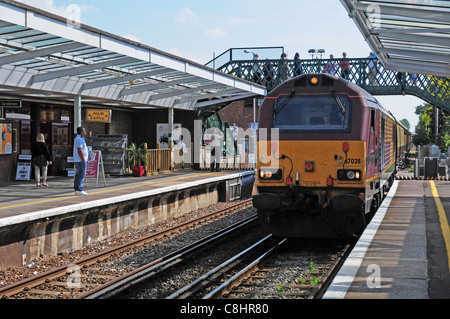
x,y
407,35
44,56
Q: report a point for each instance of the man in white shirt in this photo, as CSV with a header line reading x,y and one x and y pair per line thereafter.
x,y
80,157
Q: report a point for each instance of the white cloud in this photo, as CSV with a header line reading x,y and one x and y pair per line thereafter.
x,y
216,33
185,15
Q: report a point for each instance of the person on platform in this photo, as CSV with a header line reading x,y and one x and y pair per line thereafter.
x,y
80,157
41,159
216,149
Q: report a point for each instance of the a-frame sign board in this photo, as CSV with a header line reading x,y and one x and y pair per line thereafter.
x,y
94,165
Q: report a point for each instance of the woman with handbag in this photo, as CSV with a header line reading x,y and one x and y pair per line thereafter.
x,y
41,160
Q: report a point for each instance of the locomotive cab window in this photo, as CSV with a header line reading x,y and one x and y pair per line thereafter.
x,y
313,113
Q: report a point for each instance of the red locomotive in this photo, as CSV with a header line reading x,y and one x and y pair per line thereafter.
x,y
334,161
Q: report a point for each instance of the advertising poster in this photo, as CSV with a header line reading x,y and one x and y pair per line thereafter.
x,y
162,134
92,165
6,139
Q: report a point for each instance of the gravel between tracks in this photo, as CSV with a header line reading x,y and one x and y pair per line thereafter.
x,y
44,264
174,279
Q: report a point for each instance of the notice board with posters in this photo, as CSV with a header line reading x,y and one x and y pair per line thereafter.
x,y
6,139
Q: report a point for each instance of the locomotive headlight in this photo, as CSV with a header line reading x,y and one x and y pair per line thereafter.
x,y
272,174
351,175
314,81
268,175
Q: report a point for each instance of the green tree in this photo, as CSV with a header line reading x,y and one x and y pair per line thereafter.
x,y
406,124
426,129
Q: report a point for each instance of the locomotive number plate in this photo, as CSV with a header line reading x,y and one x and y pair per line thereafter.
x,y
353,161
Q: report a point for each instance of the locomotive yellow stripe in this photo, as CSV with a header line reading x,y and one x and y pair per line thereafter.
x,y
378,176
327,156
442,219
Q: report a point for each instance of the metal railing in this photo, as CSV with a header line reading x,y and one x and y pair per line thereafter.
x,y
367,73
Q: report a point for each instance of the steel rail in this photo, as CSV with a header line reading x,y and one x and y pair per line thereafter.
x,y
155,267
48,276
187,290
316,291
245,270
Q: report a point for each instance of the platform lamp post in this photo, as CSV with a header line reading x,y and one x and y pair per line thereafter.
x,y
312,52
247,51
321,52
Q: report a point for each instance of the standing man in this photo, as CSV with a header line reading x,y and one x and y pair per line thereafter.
x,y
80,157
345,66
372,68
216,148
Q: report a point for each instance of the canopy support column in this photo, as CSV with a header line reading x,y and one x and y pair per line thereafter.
x,y
77,113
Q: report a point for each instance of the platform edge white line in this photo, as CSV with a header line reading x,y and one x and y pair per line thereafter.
x,y
345,277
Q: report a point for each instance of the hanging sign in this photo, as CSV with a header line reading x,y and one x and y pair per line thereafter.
x,y
11,104
98,116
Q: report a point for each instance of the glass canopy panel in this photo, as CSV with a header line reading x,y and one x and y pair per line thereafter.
x,y
415,32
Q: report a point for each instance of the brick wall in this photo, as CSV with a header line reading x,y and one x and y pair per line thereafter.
x,y
8,163
144,124
122,123
239,113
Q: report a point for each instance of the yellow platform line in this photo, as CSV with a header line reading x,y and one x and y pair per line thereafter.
x,y
442,219
105,191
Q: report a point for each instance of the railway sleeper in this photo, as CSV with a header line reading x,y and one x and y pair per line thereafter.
x,y
264,292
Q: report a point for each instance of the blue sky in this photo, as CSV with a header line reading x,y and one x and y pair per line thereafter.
x,y
197,29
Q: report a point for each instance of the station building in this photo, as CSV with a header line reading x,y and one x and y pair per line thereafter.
x,y
57,75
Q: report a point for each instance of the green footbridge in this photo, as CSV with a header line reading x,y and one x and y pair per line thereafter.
x,y
368,73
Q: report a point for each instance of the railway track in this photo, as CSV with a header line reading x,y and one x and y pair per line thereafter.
x,y
87,278
284,270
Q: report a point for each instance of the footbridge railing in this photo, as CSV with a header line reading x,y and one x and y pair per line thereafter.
x,y
368,73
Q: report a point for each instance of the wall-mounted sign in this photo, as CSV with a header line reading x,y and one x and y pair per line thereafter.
x,y
98,116
11,104
6,139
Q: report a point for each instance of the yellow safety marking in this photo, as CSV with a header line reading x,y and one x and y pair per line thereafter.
x,y
106,191
442,219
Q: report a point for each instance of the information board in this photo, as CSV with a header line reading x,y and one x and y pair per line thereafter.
x,y
23,172
94,165
6,139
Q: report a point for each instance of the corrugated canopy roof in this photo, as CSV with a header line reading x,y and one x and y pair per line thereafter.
x,y
44,55
407,35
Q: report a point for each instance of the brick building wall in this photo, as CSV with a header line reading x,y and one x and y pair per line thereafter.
x,y
122,123
8,163
144,124
239,113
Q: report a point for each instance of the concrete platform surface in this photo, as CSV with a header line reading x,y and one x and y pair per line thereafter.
x,y
402,252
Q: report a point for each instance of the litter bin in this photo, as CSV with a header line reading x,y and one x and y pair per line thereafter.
x,y
431,167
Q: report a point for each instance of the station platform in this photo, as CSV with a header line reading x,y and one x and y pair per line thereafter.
x,y
47,221
405,251
23,200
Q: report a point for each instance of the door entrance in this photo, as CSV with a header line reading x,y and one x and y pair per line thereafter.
x,y
57,137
